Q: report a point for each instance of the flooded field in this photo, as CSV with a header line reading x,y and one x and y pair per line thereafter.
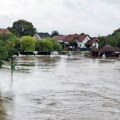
x,y
60,88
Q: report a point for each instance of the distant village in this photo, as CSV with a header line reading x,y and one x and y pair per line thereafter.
x,y
84,42
77,42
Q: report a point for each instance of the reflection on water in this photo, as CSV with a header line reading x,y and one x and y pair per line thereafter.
x,y
6,105
61,88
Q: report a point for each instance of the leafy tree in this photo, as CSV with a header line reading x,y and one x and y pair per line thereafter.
x,y
55,33
73,44
48,45
102,41
27,44
112,39
44,45
7,47
56,46
22,28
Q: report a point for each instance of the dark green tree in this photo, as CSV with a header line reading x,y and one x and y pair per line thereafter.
x,y
54,33
102,41
73,44
22,28
112,39
7,47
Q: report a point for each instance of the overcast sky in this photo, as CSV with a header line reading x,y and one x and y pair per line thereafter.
x,y
94,17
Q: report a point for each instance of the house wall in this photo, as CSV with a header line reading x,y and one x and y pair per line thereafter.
x,y
36,36
96,45
60,41
86,39
82,44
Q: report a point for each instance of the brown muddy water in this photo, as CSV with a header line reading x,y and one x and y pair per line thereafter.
x,y
61,88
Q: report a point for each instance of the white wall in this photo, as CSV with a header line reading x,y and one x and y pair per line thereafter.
x,y
37,36
82,44
96,45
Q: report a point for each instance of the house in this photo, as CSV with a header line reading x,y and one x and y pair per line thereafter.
x,y
81,39
108,50
59,38
41,35
70,38
84,41
91,43
4,31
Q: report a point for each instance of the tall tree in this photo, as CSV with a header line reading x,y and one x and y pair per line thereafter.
x,y
22,28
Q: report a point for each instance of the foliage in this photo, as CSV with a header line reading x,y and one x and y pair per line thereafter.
x,y
7,47
73,44
55,33
27,44
102,41
48,45
56,46
22,28
112,39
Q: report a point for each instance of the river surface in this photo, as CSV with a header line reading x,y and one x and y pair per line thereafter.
x,y
60,88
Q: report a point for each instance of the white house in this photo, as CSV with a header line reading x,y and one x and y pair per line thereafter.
x,y
41,35
83,40
92,43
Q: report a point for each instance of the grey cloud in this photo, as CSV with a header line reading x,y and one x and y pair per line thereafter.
x,y
95,17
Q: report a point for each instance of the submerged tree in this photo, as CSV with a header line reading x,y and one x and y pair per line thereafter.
x,y
27,44
48,45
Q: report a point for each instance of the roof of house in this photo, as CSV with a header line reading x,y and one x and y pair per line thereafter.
x,y
79,37
4,31
43,35
60,37
91,42
69,38
107,48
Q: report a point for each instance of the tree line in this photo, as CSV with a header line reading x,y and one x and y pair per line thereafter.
x,y
111,39
21,39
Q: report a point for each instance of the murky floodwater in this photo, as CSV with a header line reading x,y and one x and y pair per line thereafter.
x,y
61,88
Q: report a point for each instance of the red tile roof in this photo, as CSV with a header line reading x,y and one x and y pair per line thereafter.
x,y
4,31
59,37
80,37
91,42
70,38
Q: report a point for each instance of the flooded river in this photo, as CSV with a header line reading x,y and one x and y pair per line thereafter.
x,y
60,88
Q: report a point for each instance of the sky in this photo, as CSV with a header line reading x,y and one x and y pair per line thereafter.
x,y
93,17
